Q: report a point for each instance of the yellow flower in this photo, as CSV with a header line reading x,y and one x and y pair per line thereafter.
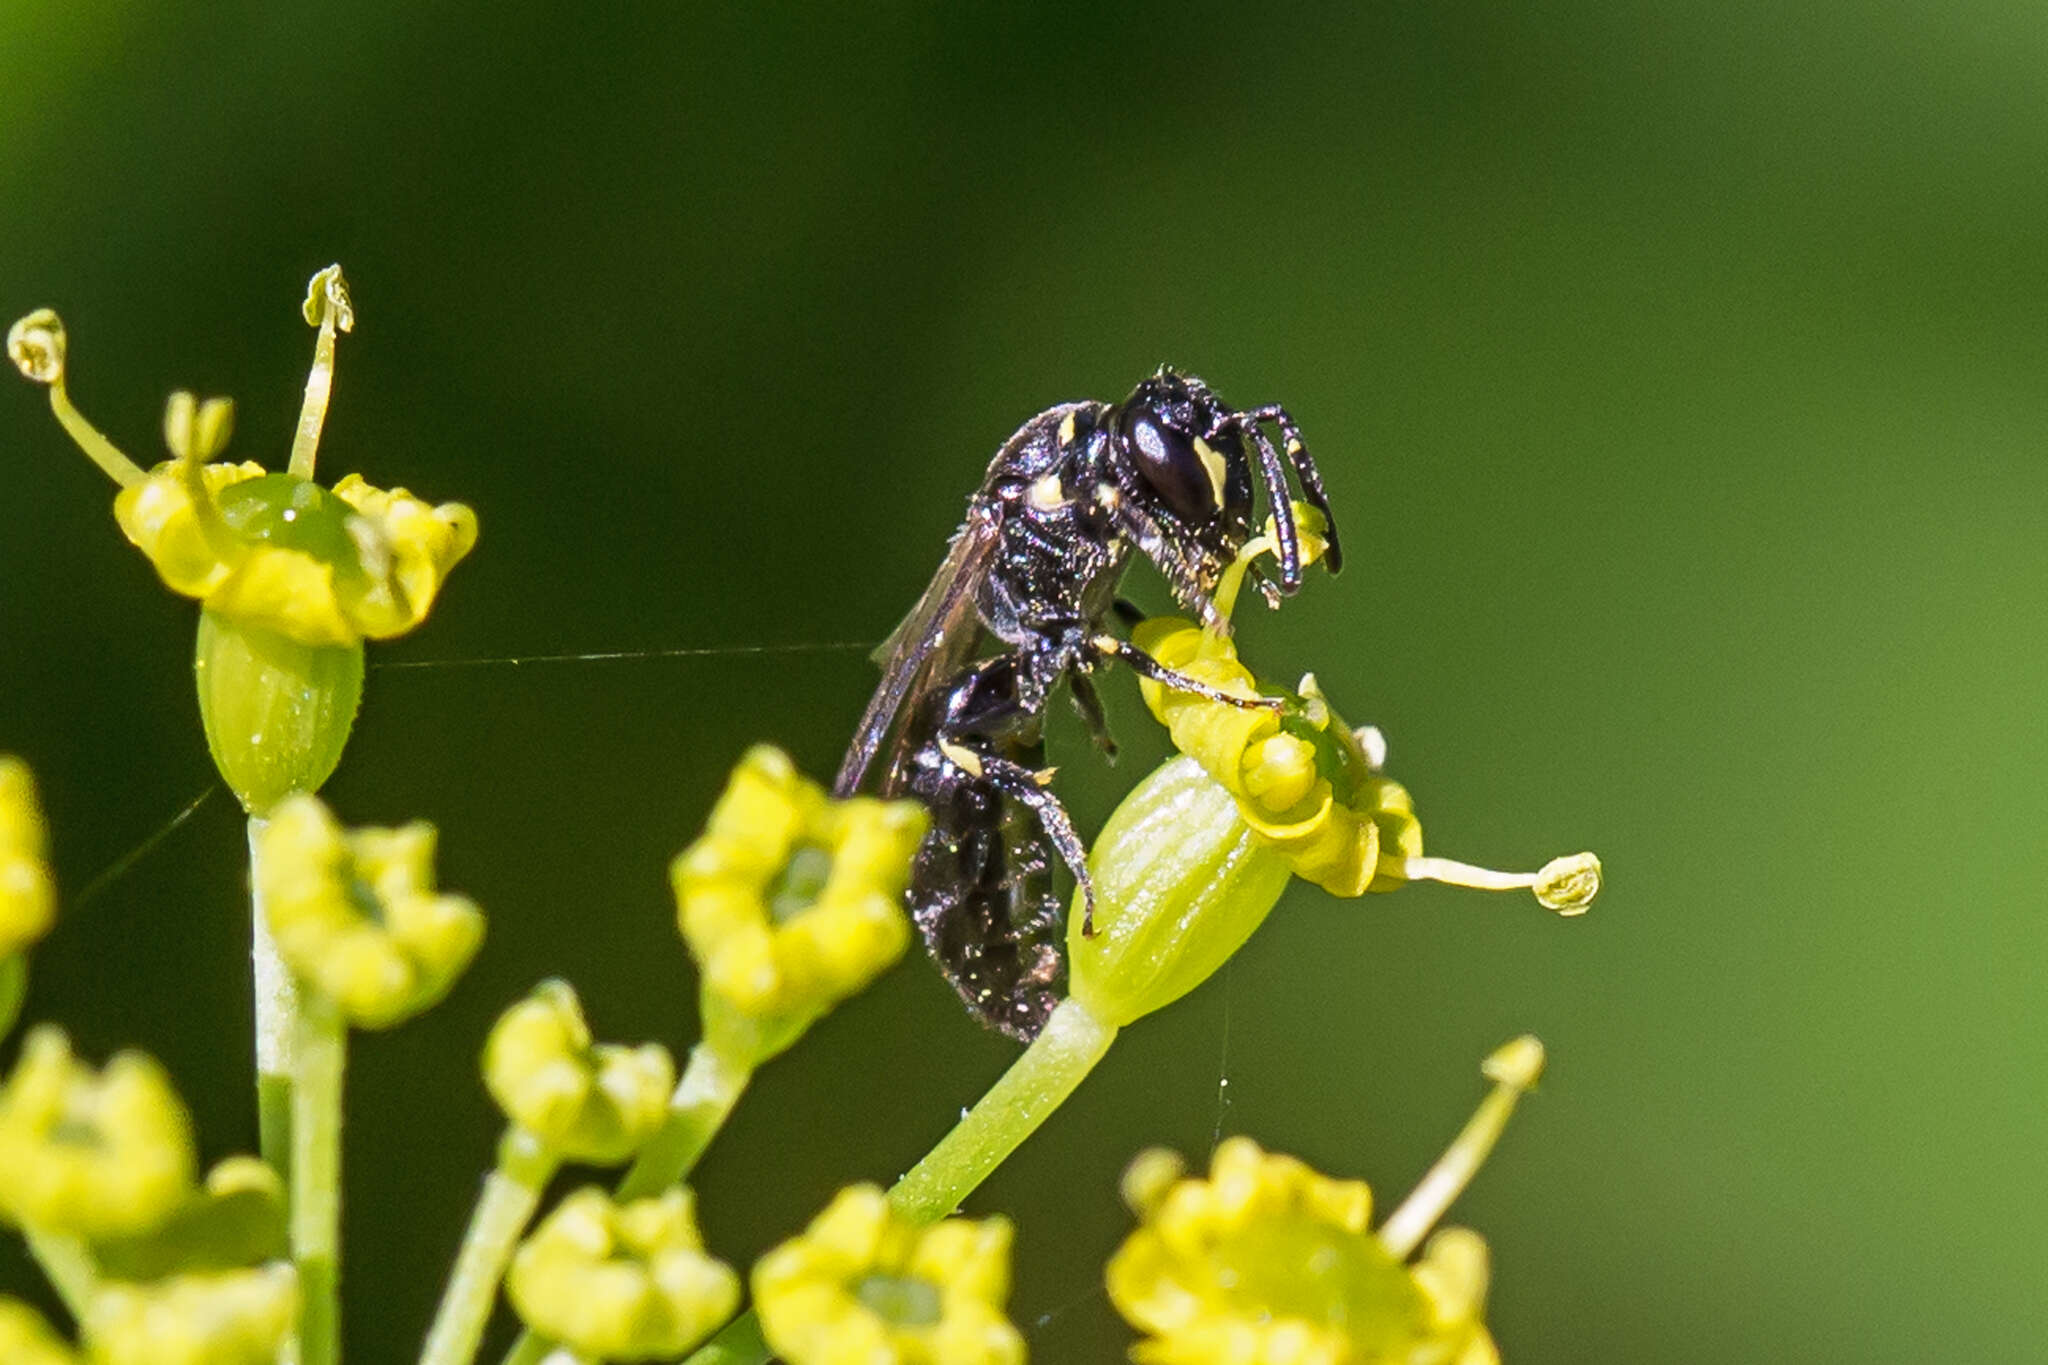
x,y
622,1282
233,1317
28,901
865,1286
356,916
271,551
87,1154
593,1103
790,902
25,1339
1267,1262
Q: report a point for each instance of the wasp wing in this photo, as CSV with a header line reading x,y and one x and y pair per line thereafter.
x,y
931,643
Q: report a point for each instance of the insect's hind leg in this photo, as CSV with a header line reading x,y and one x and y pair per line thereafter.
x,y
1027,788
1145,666
1088,702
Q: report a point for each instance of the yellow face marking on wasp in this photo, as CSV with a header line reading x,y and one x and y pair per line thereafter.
x,y
1108,496
1048,493
1067,430
961,757
1212,464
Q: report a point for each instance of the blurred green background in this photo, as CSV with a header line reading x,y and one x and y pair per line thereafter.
x,y
1677,370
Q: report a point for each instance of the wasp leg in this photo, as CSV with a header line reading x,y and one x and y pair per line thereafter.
x,y
1145,666
1304,469
1023,785
1089,703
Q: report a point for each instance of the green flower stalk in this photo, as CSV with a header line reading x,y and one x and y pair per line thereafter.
x,y
621,1281
233,1317
356,919
567,1099
865,1284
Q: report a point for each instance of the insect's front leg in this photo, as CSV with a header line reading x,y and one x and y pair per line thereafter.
x,y
1145,666
1027,787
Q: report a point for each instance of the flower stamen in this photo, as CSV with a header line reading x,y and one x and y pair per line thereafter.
x,y
36,344
327,308
1513,1068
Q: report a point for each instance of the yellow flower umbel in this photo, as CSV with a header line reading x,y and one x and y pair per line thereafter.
x,y
91,1154
1266,1262
587,1102
865,1286
1197,854
790,902
25,1339
231,1317
622,1282
292,576
356,916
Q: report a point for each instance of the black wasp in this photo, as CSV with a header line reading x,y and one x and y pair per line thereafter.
x,y
1034,573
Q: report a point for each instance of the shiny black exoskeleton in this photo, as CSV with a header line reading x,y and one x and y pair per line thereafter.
x,y
1034,570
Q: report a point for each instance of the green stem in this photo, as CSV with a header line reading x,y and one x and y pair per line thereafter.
x,y
318,1060
511,1193
277,1022
703,1099
1036,1084
68,1266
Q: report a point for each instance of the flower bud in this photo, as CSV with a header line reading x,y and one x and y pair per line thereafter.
x,y
235,1317
790,901
865,1283
91,1154
591,1103
356,916
621,1282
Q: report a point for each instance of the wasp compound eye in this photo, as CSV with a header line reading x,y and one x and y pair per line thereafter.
x,y
1190,474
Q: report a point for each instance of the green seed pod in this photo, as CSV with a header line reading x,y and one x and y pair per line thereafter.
x,y
277,712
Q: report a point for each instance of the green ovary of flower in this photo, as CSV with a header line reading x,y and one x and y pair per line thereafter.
x,y
234,1220
236,1317
590,1102
790,901
865,1286
621,1282
356,916
91,1154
